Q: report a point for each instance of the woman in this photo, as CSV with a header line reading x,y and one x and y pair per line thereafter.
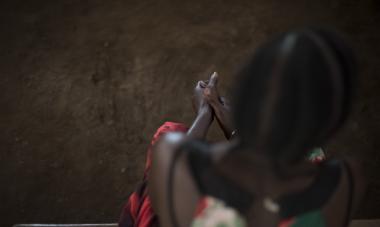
x,y
291,98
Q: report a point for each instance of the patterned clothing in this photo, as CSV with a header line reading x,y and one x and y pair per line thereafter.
x,y
212,212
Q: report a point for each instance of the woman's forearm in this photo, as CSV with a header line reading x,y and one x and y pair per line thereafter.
x,y
222,115
201,124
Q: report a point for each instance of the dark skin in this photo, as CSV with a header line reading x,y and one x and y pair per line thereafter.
x,y
219,104
251,170
204,114
182,179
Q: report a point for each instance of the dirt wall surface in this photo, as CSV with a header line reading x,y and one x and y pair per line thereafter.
x,y
84,84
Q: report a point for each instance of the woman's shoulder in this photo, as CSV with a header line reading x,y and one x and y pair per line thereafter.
x,y
356,179
169,172
348,194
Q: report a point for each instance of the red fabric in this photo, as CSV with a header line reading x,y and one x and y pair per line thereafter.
x,y
318,160
137,212
287,223
165,128
201,206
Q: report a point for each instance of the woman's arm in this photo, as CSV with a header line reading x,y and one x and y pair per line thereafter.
x,y
185,194
201,124
336,210
219,105
203,120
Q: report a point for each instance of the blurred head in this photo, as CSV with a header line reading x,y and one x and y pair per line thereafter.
x,y
294,94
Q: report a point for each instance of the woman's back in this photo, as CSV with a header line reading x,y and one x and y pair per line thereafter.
x,y
292,96
326,198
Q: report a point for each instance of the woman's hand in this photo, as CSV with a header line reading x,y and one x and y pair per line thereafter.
x,y
210,91
204,113
219,104
200,103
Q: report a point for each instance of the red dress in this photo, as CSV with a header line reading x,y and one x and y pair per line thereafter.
x,y
138,212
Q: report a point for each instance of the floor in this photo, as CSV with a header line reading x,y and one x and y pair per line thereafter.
x,y
84,85
354,223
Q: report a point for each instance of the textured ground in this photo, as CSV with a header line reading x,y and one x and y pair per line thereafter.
x,y
84,84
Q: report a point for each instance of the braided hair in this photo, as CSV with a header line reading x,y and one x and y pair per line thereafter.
x,y
294,94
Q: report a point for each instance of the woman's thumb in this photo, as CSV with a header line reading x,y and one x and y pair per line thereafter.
x,y
213,79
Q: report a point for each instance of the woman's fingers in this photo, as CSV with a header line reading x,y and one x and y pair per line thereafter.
x,y
213,80
203,84
210,92
207,92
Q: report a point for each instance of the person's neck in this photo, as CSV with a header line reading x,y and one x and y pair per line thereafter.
x,y
263,177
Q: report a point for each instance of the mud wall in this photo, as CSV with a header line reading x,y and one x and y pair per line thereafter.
x,y
84,84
